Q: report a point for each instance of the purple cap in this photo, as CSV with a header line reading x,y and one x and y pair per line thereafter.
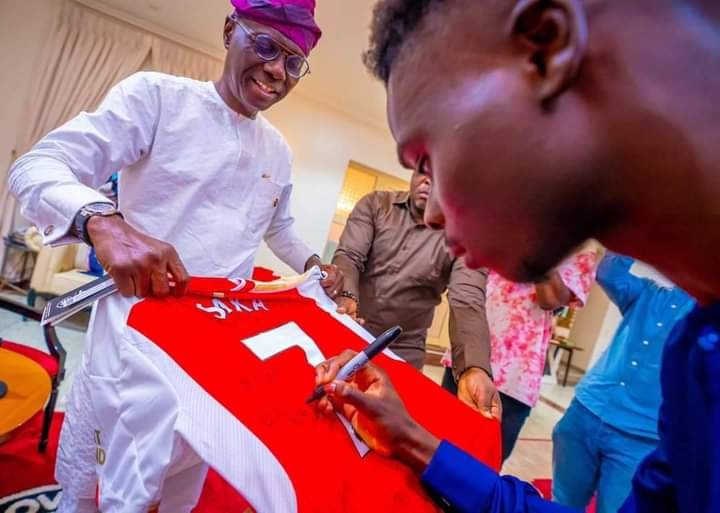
x,y
295,19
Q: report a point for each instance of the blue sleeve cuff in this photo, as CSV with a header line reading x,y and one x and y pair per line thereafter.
x,y
614,266
461,480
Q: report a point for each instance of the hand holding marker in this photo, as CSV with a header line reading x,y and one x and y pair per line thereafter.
x,y
361,359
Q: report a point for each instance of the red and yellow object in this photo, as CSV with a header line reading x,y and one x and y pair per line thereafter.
x,y
28,390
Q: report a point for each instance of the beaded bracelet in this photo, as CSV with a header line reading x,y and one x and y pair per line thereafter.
x,y
349,295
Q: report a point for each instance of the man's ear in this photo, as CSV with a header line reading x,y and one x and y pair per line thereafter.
x,y
554,35
228,32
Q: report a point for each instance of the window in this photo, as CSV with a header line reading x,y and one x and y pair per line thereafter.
x,y
359,181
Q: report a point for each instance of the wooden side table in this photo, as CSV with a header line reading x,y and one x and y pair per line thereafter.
x,y
565,346
27,255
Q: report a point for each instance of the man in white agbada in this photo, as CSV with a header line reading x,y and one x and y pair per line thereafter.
x,y
205,178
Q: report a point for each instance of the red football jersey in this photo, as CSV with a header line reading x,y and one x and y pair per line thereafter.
x,y
251,347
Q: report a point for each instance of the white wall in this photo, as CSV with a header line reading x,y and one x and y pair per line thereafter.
x,y
323,142
594,328
609,326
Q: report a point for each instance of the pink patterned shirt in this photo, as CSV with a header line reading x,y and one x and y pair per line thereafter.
x,y
520,330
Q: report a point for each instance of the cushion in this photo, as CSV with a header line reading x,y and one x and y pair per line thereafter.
x,y
45,360
81,257
69,280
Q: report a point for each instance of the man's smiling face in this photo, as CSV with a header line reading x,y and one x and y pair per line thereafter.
x,y
255,83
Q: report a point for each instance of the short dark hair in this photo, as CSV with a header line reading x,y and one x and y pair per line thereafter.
x,y
393,21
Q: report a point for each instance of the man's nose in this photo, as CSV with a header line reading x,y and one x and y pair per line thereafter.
x,y
276,68
434,217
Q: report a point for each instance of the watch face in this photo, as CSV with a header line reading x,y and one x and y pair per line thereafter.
x,y
99,208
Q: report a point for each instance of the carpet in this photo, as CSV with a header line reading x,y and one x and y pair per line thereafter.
x,y
28,482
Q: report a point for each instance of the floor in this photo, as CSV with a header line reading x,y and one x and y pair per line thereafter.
x,y
532,456
557,396
531,459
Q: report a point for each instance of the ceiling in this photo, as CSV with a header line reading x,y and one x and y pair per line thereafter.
x,y
338,77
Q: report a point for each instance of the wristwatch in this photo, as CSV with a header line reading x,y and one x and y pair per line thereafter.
x,y
88,211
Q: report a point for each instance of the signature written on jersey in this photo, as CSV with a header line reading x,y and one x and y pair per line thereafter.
x,y
221,309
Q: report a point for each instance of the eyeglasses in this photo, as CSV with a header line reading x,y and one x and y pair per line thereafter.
x,y
268,50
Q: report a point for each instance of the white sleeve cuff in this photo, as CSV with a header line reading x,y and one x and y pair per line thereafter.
x,y
57,210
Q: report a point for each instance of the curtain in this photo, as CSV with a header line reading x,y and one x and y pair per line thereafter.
x,y
176,59
84,55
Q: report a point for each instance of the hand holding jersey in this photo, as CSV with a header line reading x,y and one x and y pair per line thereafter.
x,y
334,279
139,264
347,305
142,266
477,390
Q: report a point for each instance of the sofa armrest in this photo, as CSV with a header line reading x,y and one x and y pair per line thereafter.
x,y
49,262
